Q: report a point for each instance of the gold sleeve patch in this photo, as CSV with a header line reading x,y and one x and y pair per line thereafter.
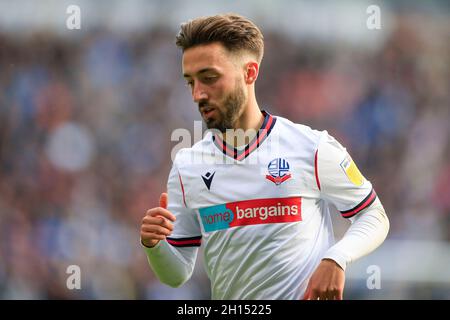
x,y
352,171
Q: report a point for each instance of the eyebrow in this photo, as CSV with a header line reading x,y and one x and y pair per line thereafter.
x,y
186,75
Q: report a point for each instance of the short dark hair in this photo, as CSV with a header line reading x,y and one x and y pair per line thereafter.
x,y
234,31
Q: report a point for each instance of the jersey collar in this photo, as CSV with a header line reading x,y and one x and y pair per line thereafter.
x,y
261,135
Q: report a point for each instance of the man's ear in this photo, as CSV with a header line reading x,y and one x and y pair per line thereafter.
x,y
251,72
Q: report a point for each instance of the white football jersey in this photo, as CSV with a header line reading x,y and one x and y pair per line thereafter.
x,y
262,214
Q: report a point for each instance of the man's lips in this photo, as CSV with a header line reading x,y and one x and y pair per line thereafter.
x,y
207,112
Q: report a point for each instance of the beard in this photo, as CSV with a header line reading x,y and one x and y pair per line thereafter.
x,y
229,112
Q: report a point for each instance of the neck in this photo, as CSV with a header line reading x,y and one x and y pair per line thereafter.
x,y
249,122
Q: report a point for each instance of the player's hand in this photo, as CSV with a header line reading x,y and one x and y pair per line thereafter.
x,y
157,223
326,283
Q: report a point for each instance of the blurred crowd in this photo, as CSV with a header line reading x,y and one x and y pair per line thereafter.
x,y
85,129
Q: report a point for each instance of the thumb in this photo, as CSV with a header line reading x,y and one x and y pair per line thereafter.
x,y
163,200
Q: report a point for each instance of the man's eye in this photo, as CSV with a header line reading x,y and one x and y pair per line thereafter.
x,y
190,83
209,79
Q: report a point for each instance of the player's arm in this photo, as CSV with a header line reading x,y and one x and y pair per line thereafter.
x,y
170,235
342,184
368,230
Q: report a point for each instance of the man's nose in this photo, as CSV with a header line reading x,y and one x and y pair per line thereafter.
x,y
198,93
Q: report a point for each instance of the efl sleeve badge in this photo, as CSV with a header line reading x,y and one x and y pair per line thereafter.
x,y
352,171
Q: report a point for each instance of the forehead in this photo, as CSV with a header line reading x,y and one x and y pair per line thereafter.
x,y
212,55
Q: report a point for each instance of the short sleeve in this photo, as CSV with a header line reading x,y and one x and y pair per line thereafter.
x,y
339,179
186,230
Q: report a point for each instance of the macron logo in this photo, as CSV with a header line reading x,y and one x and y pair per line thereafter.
x,y
251,212
207,179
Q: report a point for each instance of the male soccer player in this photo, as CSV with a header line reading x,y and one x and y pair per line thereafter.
x,y
261,207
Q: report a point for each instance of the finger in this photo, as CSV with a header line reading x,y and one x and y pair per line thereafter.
x,y
152,236
161,212
327,294
334,294
323,295
163,200
315,294
156,229
158,220
307,294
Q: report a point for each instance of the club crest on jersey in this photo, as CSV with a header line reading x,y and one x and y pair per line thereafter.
x,y
278,171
